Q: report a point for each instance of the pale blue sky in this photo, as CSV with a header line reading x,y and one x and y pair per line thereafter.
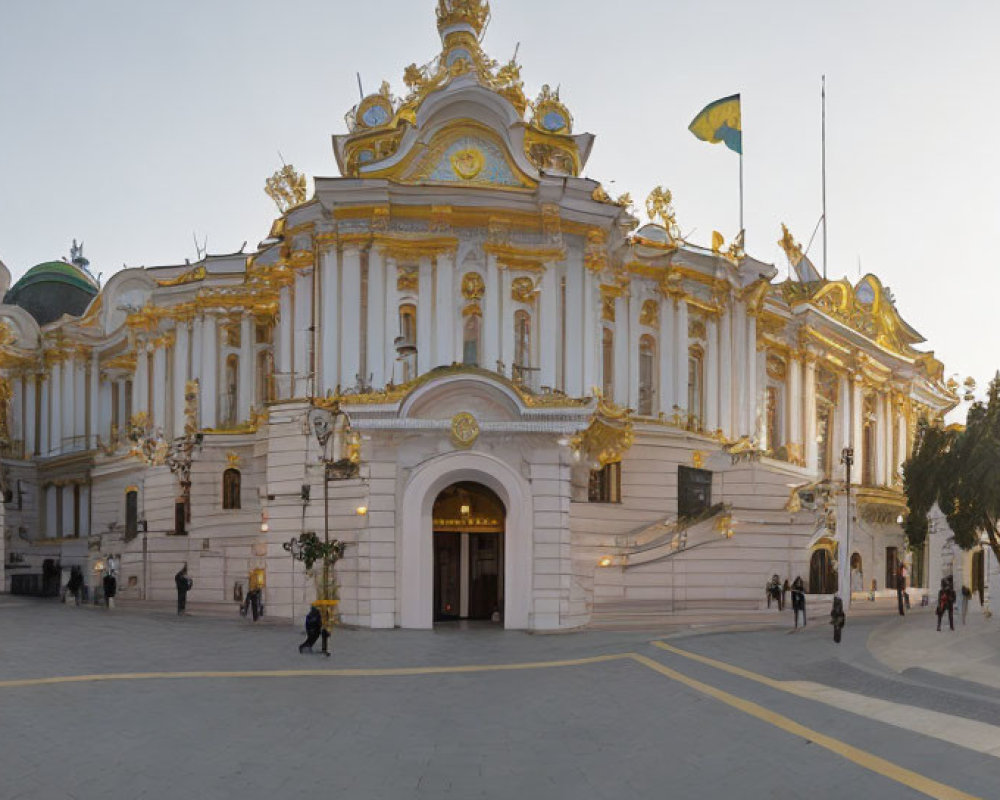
x,y
131,125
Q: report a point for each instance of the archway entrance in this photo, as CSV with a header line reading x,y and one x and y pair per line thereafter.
x,y
468,523
822,572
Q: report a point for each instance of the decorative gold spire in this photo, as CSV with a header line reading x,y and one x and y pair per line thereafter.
x,y
473,13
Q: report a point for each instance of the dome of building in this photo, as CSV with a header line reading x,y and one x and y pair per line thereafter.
x,y
50,290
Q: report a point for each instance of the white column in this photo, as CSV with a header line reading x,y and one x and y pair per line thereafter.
x,y
633,304
758,426
283,365
590,338
622,352
16,415
392,331
574,328
350,316
740,366
329,286
857,427
843,423
181,345
726,373
811,449
159,400
901,433
68,406
681,362
712,375
548,327
94,393
78,399
667,354
104,410
376,319
194,351
209,391
506,323
29,415
491,314
140,383
44,446
302,322
50,511
245,388
425,316
881,438
794,406
752,365
444,309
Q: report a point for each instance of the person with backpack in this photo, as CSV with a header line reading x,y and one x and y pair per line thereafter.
x,y
184,585
314,626
946,603
75,583
837,618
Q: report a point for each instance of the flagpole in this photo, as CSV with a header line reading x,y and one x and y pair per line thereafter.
x,y
824,177
742,229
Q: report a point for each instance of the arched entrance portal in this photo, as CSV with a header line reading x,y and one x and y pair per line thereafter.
x,y
468,523
822,572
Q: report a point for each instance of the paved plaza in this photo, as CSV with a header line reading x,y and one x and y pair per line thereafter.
x,y
143,704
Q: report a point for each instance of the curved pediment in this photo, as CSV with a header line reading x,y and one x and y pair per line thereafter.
x,y
486,398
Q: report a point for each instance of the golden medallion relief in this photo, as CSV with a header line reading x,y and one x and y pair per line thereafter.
x,y
468,163
464,430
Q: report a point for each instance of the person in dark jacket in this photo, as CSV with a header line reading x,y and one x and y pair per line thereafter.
x,y
314,626
901,587
110,583
946,603
785,588
799,600
837,618
75,583
184,584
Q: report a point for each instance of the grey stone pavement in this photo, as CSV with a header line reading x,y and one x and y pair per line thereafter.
x,y
608,729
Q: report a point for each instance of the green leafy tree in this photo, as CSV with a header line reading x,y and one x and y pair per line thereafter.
x,y
960,471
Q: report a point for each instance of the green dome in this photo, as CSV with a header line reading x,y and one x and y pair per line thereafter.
x,y
50,290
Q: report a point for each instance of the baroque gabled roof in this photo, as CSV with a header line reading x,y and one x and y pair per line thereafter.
x,y
427,136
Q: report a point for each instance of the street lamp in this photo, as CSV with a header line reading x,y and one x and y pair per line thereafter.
x,y
847,459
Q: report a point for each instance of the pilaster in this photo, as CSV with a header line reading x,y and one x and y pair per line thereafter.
x,y
209,391
425,315
376,351
330,318
548,326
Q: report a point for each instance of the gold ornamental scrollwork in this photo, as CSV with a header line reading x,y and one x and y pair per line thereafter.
x,y
608,436
522,290
473,286
464,430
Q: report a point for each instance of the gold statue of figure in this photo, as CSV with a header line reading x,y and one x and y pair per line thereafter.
x,y
792,248
660,204
287,188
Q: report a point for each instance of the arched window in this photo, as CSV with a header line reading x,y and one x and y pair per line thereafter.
x,y
229,397
521,371
647,375
470,340
265,378
406,345
231,489
695,391
608,362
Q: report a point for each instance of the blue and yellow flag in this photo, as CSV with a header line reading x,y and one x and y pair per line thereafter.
x,y
721,121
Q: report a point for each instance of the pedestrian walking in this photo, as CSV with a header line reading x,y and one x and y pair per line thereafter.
x,y
785,588
901,587
110,583
837,618
773,591
946,603
314,626
253,604
799,600
966,599
184,585
75,583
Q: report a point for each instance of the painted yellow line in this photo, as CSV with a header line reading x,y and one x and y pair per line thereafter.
x,y
734,670
313,673
909,778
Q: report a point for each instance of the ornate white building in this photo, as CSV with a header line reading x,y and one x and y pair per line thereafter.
x,y
551,417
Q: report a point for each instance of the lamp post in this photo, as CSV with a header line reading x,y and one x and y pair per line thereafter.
x,y
847,459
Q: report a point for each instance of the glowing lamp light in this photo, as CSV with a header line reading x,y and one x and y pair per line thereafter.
x,y
899,520
99,566
466,510
607,561
362,511
264,527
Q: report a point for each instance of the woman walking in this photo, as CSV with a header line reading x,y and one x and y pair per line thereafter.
x,y
799,600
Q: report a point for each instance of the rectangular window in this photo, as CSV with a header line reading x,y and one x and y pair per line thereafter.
x,y
605,484
180,516
76,510
131,514
694,492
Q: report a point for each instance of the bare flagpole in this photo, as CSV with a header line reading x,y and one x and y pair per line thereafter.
x,y
824,177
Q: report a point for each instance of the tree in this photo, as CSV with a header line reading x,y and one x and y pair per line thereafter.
x,y
959,469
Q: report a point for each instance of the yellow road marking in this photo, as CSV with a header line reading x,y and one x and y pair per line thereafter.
x,y
313,673
909,778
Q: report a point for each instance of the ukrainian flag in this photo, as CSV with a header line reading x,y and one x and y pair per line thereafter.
x,y
721,121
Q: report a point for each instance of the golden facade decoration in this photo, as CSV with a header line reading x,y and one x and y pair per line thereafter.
x,y
407,280
606,438
650,314
473,286
287,188
659,205
523,290
191,276
464,430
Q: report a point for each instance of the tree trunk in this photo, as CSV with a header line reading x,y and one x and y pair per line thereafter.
x,y
991,532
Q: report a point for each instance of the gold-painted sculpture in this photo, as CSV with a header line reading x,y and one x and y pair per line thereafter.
x,y
287,188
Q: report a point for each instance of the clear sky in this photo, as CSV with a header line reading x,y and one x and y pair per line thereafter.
x,y
133,125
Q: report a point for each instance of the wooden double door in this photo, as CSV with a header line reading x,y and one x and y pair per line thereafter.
x,y
468,576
